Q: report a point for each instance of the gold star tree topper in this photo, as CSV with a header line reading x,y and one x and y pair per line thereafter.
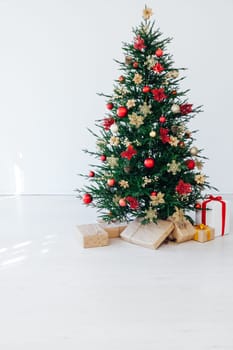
x,y
147,13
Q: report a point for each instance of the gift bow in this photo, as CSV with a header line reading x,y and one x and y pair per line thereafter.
x,y
220,200
179,218
201,227
215,198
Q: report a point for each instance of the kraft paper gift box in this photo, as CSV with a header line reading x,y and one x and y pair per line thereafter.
x,y
183,229
215,212
113,229
203,233
150,235
93,235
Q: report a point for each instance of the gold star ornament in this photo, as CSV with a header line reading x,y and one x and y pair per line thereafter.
x,y
151,214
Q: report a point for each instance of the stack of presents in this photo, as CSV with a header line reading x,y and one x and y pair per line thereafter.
x,y
212,220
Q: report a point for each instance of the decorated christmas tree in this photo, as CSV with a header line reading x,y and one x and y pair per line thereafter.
x,y
148,166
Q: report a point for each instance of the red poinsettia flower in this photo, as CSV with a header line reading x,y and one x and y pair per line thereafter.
x,y
183,187
159,94
158,68
107,123
129,153
164,135
139,43
185,108
133,202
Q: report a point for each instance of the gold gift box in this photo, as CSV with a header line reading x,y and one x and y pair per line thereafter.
x,y
183,229
93,235
182,232
150,235
203,233
113,229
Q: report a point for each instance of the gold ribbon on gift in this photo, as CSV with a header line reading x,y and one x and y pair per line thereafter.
x,y
202,227
179,219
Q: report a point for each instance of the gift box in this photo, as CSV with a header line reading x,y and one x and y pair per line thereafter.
x,y
93,235
183,229
215,212
203,233
150,235
113,229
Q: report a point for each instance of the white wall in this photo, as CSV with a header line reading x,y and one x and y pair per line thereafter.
x,y
55,55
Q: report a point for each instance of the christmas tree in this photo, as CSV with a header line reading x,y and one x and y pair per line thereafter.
x,y
147,165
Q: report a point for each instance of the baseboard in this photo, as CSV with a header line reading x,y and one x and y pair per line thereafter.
x,y
37,194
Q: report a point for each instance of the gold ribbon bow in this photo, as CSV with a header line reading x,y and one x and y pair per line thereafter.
x,y
201,227
179,218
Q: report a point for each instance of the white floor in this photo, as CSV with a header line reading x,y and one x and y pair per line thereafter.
x,y
55,295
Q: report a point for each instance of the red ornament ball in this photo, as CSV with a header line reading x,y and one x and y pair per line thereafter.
x,y
109,105
122,112
146,89
162,119
91,174
190,164
103,158
111,182
159,52
135,65
149,163
122,202
198,205
121,79
153,194
87,198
